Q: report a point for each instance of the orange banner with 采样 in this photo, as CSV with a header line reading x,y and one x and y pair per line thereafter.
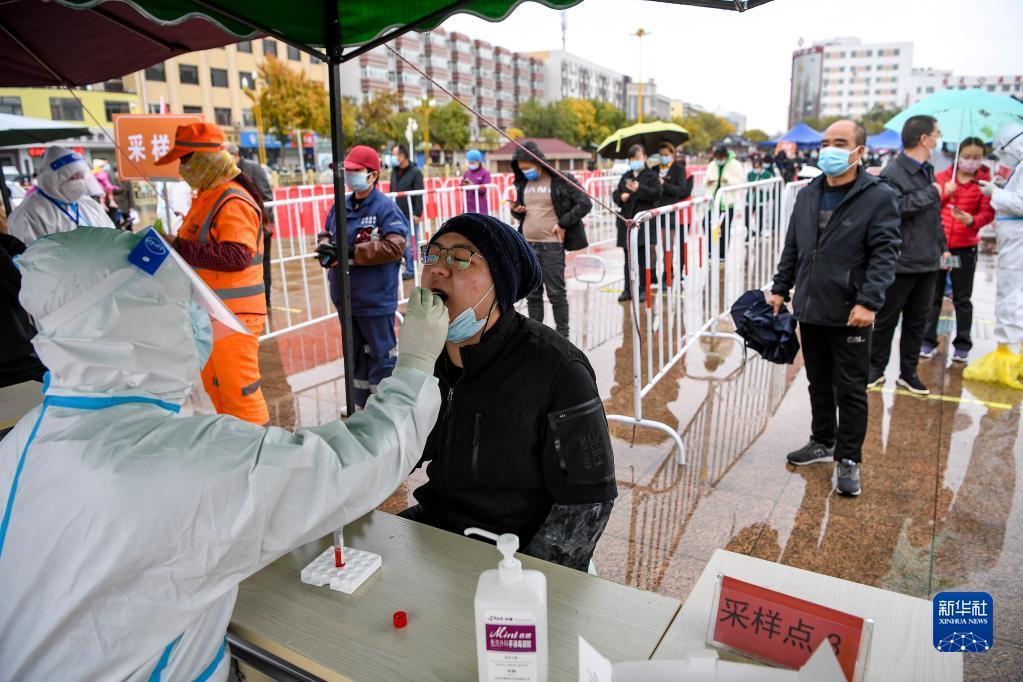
x,y
141,139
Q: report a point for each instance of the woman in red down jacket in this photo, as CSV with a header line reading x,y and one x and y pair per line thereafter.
x,y
964,210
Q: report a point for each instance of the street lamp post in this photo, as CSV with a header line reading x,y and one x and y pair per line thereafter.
x,y
640,33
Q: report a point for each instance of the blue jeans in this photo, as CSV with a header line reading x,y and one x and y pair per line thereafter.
x,y
413,243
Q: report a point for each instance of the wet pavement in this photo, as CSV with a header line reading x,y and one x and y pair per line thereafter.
x,y
942,503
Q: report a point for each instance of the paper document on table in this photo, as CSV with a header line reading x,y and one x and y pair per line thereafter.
x,y
703,665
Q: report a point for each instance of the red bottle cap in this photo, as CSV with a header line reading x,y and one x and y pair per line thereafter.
x,y
400,619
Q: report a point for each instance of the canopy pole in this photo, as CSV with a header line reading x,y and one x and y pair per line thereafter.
x,y
337,152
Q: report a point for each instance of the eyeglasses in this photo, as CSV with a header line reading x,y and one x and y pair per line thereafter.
x,y
458,257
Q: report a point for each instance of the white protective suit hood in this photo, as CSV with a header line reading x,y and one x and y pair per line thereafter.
x,y
1008,145
137,340
59,164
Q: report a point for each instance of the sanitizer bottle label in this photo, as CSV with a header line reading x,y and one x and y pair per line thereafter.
x,y
511,646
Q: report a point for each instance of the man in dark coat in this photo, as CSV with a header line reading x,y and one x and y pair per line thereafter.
x,y
919,264
406,177
638,190
840,250
18,360
550,212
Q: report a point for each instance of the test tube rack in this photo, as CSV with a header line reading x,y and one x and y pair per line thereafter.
x,y
359,566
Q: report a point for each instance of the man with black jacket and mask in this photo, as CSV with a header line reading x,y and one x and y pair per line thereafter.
x,y
639,189
840,251
923,247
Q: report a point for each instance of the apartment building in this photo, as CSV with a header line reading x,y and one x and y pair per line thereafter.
x,y
846,77
926,82
656,107
567,75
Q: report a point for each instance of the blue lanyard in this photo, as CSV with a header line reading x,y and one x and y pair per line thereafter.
x,y
60,205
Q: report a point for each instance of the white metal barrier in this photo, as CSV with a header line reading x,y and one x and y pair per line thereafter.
x,y
299,281
722,246
669,245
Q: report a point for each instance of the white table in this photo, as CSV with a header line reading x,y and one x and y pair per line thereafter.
x,y
901,647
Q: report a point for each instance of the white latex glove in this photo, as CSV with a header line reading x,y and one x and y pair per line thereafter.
x,y
423,332
988,188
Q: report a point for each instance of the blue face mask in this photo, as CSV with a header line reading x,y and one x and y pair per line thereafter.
x,y
357,180
637,165
833,161
202,332
666,159
532,174
466,326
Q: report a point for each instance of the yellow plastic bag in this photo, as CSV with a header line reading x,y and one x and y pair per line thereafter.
x,y
1001,366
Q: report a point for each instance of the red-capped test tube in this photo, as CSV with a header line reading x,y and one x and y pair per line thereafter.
x,y
339,549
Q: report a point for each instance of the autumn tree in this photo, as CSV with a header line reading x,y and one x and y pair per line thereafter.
x,y
449,126
289,100
873,121
704,127
377,122
756,135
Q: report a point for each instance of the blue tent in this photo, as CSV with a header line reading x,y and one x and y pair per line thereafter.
x,y
885,140
803,135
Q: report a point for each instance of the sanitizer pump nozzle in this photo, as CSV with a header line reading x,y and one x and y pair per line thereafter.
x,y
507,545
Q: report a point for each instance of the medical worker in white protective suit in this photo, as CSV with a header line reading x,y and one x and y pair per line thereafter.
x,y
1004,365
127,528
62,199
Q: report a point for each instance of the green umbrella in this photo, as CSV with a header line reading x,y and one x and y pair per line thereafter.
x,y
964,113
650,135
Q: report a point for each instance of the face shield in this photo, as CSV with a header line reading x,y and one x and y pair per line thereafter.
x,y
66,177
149,255
1008,145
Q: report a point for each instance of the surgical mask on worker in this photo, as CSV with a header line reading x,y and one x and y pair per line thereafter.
x,y
73,190
473,166
202,332
636,164
466,326
532,174
969,166
357,180
834,161
720,162
666,159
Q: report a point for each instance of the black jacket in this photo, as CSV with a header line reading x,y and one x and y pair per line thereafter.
x,y
646,197
676,186
18,360
408,180
851,261
522,428
923,237
571,204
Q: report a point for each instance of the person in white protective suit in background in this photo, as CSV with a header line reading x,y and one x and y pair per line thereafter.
x,y
62,198
126,527
1004,365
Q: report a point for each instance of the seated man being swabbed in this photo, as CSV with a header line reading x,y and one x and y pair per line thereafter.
x,y
522,444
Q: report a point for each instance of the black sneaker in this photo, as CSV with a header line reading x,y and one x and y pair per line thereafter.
x,y
875,379
624,296
848,474
913,385
810,453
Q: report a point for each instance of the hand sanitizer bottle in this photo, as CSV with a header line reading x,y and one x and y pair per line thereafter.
x,y
511,618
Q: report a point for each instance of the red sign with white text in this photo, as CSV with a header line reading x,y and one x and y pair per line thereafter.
x,y
782,629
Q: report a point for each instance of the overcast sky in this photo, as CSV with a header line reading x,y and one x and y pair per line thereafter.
x,y
742,62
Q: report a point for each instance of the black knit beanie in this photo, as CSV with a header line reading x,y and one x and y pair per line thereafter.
x,y
512,262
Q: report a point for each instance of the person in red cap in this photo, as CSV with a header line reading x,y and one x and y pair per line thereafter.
x,y
221,237
377,232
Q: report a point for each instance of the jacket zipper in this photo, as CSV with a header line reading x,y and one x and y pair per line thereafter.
x,y
475,445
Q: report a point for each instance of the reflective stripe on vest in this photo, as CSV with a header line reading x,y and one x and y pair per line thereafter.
x,y
250,280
